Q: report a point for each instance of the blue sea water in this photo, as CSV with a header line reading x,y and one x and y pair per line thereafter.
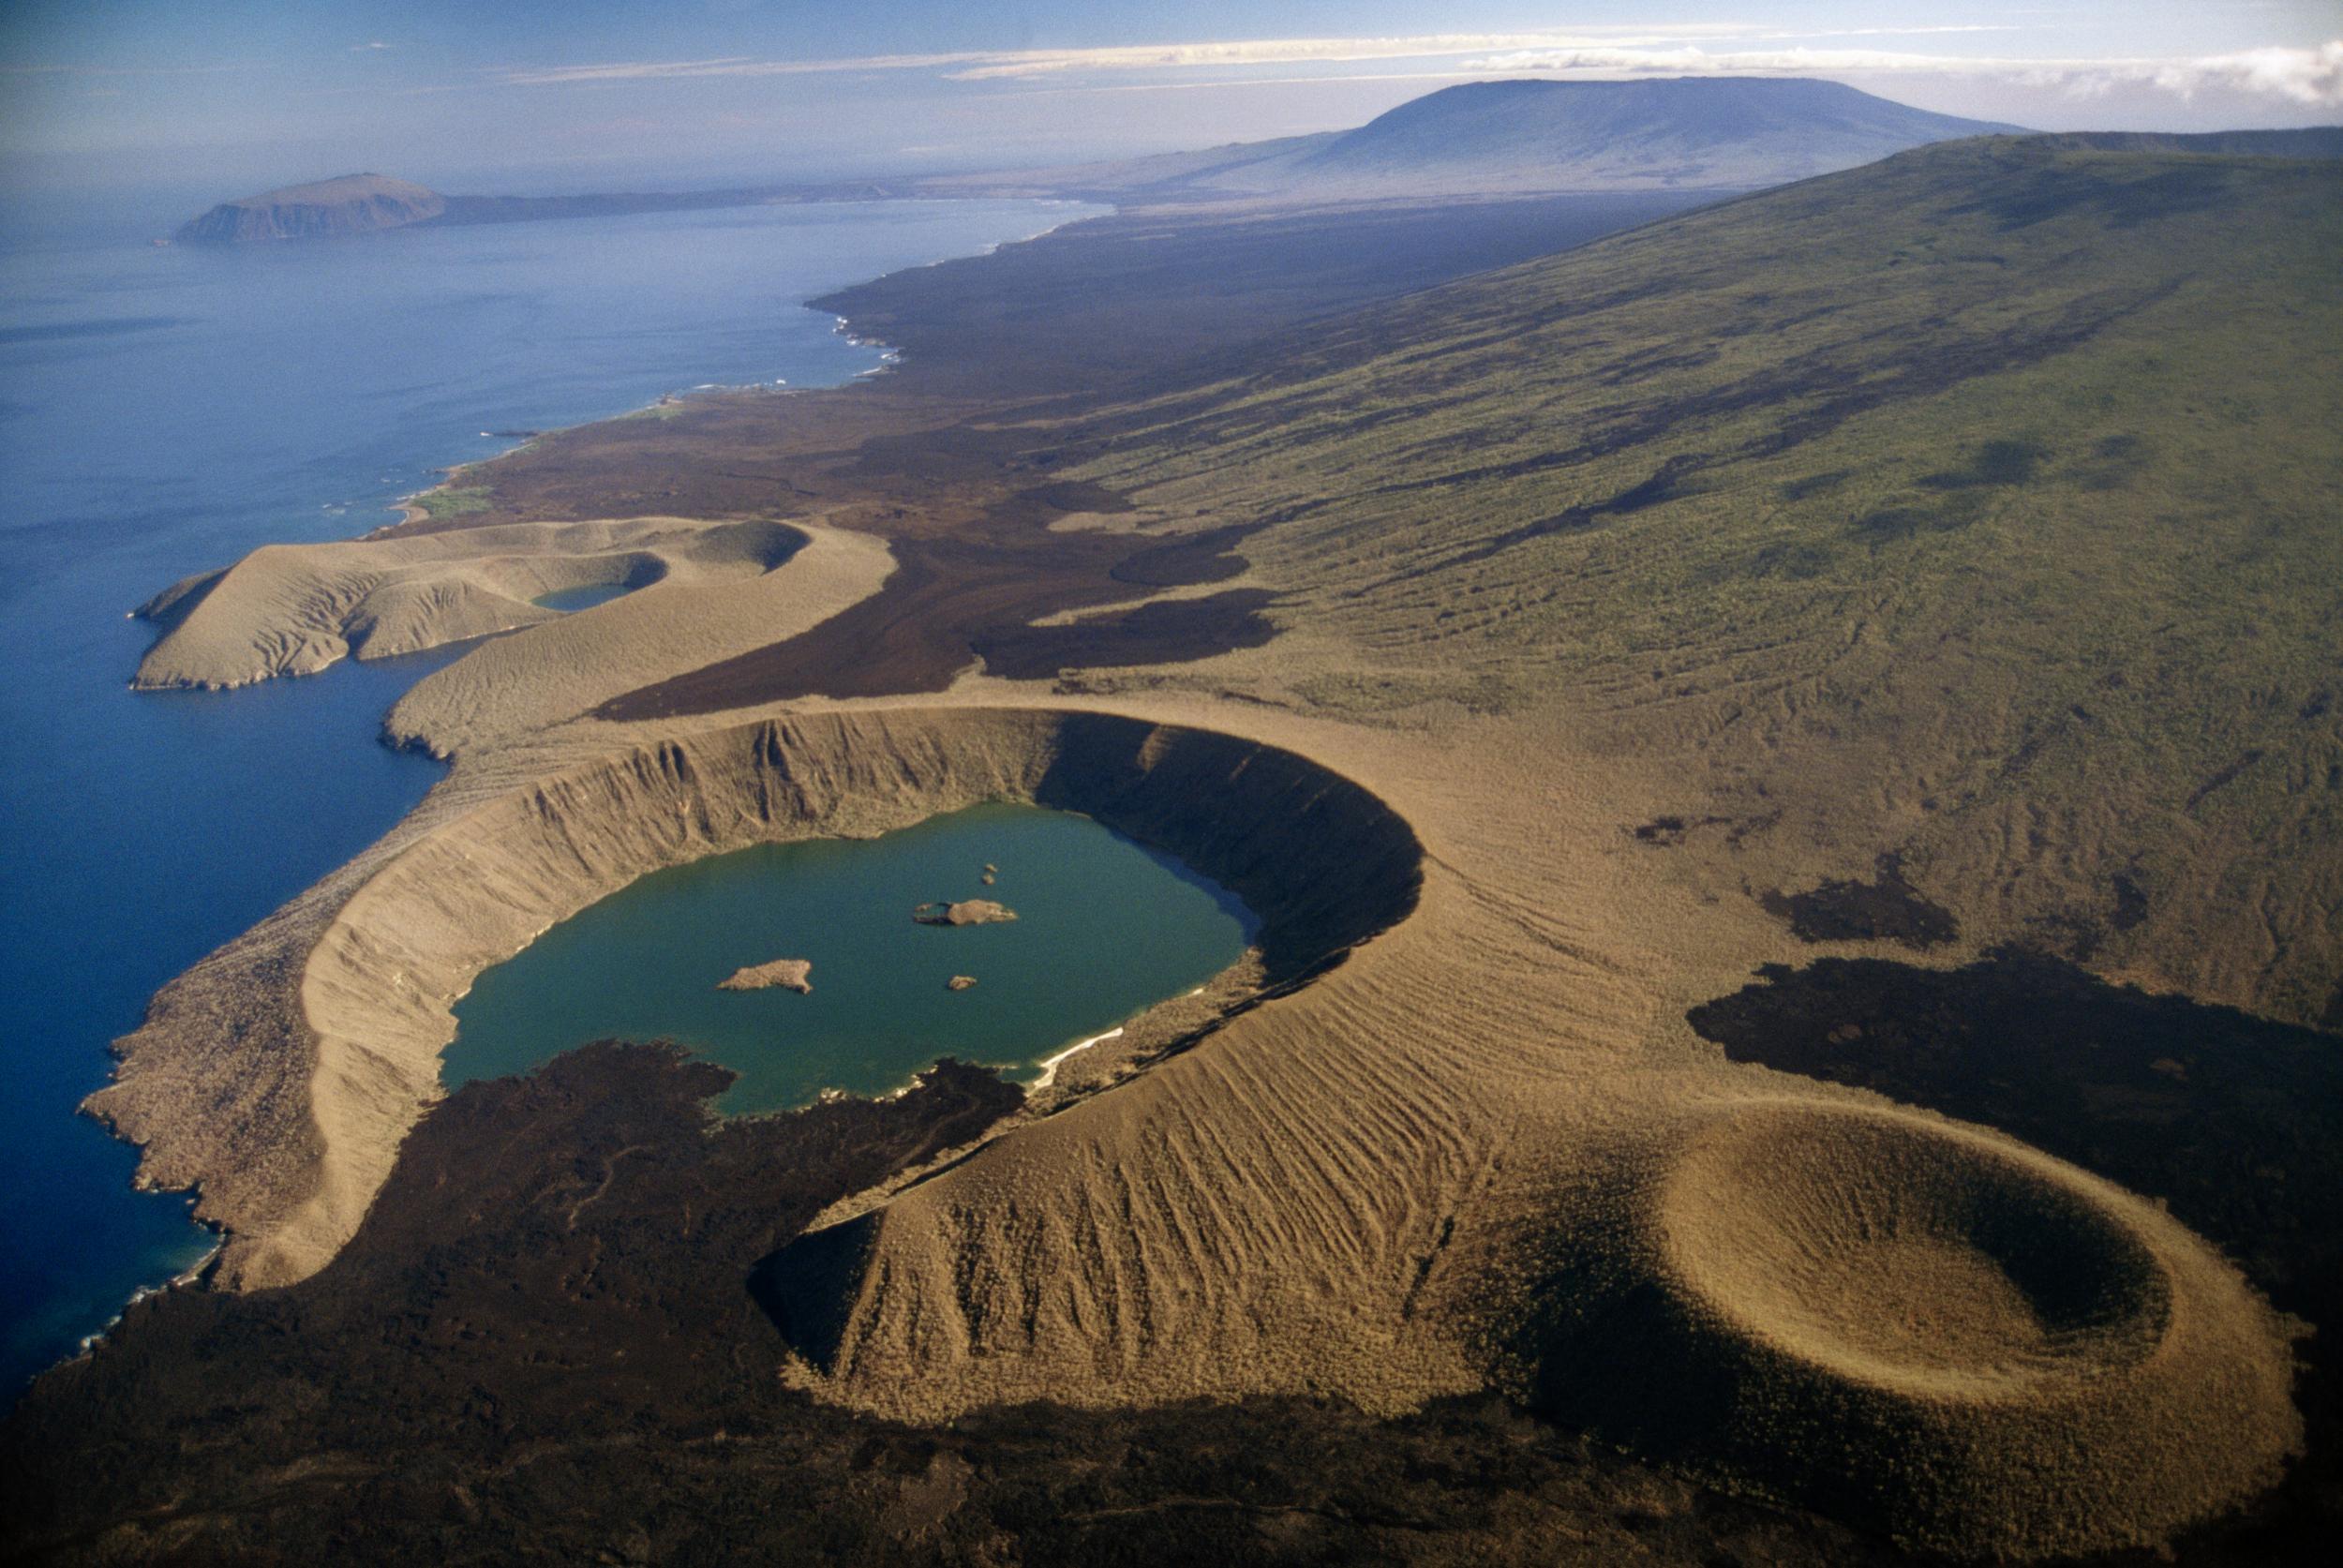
x,y
163,411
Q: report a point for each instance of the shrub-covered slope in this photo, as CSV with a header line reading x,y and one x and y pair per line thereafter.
x,y
1980,503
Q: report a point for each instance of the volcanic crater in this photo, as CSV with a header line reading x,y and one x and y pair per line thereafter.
x,y
367,1011
1874,1247
1896,1317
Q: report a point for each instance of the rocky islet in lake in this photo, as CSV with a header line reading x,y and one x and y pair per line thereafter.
x,y
789,974
963,911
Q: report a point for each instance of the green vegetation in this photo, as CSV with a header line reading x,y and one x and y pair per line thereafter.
x,y
452,501
1993,486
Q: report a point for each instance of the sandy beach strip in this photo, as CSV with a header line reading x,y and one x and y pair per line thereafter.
x,y
1050,1064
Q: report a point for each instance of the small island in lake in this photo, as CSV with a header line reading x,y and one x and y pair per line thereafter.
x,y
792,974
967,912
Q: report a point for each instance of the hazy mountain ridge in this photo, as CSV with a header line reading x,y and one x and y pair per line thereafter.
x,y
1481,138
1714,132
2308,141
368,203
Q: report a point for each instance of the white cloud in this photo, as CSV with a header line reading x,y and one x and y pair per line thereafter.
x,y
987,64
2304,76
1287,52
732,64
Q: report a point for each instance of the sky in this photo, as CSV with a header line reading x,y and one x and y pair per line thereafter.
x,y
543,96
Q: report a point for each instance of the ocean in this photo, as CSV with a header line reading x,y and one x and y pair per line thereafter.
x,y
164,410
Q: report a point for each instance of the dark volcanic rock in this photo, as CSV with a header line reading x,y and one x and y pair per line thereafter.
x,y
1887,908
1171,631
543,1345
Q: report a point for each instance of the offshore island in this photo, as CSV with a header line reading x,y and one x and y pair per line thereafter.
x,y
1677,704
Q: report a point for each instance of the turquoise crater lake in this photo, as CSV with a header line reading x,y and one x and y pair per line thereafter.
x,y
1105,927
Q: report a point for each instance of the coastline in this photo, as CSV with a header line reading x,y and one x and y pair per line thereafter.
x,y
406,512
889,356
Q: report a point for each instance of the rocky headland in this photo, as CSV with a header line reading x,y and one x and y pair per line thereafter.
x,y
345,205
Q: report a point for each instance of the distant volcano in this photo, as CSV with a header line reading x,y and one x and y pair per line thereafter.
x,y
1690,131
1537,138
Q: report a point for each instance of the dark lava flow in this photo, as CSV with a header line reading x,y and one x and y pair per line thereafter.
x,y
542,1345
975,588
1887,908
